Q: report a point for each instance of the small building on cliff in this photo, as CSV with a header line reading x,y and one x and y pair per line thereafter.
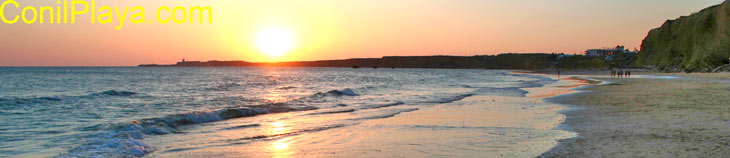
x,y
604,52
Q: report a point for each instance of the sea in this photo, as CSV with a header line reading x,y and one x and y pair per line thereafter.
x,y
273,112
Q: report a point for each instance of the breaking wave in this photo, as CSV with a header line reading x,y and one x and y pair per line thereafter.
x,y
365,103
383,105
337,93
126,140
332,112
449,99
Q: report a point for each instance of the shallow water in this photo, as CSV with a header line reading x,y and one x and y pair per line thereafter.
x,y
169,112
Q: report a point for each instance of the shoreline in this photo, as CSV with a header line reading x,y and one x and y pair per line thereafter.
x,y
564,86
646,116
508,125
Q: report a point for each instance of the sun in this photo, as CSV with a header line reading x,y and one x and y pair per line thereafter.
x,y
275,41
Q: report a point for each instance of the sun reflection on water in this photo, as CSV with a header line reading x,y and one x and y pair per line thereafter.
x,y
280,147
281,144
278,128
276,97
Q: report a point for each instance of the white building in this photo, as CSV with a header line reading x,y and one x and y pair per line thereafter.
x,y
608,51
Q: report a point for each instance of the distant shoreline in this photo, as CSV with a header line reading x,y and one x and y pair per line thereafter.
x,y
527,61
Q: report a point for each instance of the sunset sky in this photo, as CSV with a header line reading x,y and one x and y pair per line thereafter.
x,y
339,29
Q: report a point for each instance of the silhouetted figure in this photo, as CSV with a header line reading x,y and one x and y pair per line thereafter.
x,y
613,73
558,73
620,73
628,74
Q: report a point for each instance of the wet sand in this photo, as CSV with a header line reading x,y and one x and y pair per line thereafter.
x,y
649,115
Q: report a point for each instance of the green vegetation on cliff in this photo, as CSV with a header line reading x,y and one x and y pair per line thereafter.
x,y
696,43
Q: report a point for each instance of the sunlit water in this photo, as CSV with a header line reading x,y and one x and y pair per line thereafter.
x,y
279,112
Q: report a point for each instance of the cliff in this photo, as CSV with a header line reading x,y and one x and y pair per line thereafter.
x,y
696,43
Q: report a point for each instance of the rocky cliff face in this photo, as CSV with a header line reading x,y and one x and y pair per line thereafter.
x,y
696,43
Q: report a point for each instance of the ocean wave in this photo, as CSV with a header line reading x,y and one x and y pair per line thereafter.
x,y
333,112
232,100
126,140
242,126
52,98
509,91
60,98
223,87
11,102
383,105
92,127
115,93
337,93
539,82
221,114
450,99
314,129
386,114
366,107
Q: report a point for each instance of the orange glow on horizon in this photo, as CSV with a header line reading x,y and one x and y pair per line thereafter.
x,y
328,29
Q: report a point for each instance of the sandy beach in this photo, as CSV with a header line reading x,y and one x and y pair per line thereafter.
x,y
648,115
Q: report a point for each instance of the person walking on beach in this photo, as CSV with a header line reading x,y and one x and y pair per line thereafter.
x,y
628,73
558,73
613,73
620,73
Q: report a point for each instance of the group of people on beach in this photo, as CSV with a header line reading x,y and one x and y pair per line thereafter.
x,y
620,73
